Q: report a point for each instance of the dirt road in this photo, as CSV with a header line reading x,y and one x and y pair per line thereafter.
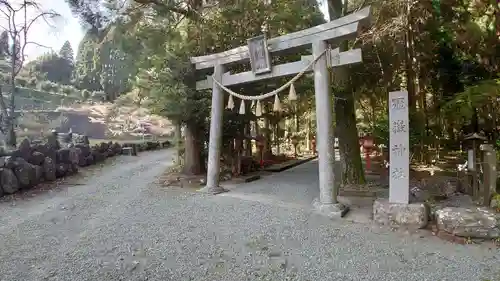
x,y
116,225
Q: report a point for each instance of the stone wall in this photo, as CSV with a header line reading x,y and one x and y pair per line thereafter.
x,y
62,155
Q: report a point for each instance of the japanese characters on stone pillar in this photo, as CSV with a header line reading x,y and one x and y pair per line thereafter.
x,y
399,147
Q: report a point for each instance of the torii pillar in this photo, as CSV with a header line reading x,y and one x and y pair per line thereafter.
x,y
327,203
215,137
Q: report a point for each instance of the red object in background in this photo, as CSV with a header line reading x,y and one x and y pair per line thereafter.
x,y
313,144
260,146
367,143
368,160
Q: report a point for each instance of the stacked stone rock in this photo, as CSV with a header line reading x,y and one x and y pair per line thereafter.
x,y
60,156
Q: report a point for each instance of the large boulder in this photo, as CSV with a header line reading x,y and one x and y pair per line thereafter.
x,y
24,172
50,152
40,147
74,155
14,153
88,160
68,155
62,169
98,156
103,147
82,159
475,222
49,169
8,162
25,149
72,169
38,173
8,181
63,156
84,148
456,200
116,148
434,188
36,158
412,216
52,142
65,139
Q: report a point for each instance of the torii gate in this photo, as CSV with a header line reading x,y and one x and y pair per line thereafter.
x,y
322,57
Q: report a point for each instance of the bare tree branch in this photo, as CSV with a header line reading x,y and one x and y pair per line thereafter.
x,y
17,31
38,44
190,12
4,13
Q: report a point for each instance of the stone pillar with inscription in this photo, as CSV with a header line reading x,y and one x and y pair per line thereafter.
x,y
397,210
399,142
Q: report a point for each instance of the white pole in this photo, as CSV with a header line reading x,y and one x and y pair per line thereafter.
x,y
327,204
324,124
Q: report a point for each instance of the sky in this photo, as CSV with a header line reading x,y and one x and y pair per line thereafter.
x,y
66,27
53,36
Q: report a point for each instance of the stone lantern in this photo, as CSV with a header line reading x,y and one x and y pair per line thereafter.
x,y
475,140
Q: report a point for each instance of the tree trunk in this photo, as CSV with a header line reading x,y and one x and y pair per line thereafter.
x,y
373,105
412,79
194,162
475,121
296,120
248,141
4,117
11,117
267,135
308,132
345,116
347,133
277,138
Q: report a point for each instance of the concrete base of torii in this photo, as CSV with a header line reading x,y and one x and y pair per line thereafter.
x,y
331,210
213,190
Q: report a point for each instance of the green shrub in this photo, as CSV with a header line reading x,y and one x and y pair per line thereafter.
x,y
85,94
67,90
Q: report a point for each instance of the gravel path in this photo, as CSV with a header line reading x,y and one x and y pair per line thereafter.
x,y
118,226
